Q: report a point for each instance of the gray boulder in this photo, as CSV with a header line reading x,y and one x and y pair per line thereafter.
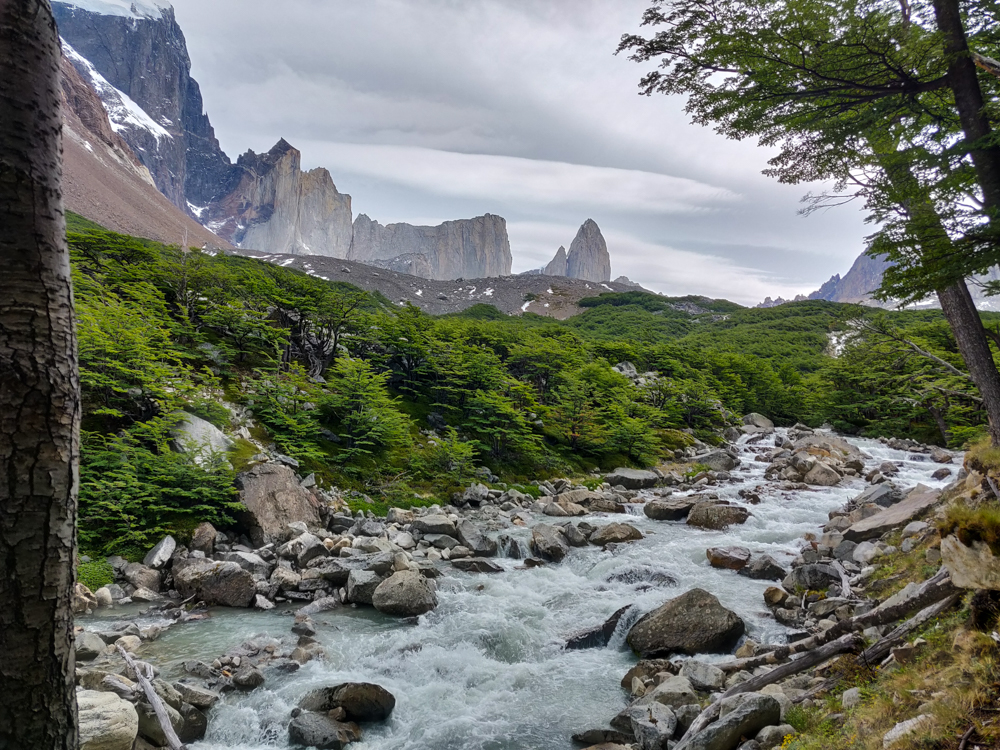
x,y
303,549
274,498
253,564
471,536
142,577
202,439
106,721
632,479
361,585
693,623
436,523
476,495
759,421
718,461
88,646
222,583
405,594
476,565
160,555
549,543
742,715
704,677
811,577
615,533
196,695
669,509
361,701
763,568
653,726
203,539
717,516
316,730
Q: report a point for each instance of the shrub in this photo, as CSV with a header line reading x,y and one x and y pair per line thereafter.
x,y
95,574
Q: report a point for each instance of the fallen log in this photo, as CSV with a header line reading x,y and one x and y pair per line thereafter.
x,y
173,741
845,582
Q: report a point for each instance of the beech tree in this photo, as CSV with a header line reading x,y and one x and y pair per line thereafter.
x,y
881,97
39,393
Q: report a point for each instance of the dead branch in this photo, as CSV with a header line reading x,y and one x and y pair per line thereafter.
x,y
173,741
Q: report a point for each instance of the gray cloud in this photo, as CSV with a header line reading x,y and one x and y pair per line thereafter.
x,y
428,110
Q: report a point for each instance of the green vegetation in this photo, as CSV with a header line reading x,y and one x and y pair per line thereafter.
x,y
95,574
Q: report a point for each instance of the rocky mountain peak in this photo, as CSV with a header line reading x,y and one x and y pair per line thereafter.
x,y
588,255
557,266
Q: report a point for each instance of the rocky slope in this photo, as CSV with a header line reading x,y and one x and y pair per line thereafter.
x,y
857,285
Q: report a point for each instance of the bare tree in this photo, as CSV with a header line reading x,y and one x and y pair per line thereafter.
x,y
39,393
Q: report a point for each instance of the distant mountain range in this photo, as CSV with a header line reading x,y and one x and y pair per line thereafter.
x,y
134,58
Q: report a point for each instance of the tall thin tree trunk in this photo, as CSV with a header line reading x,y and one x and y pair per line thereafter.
x,y
39,393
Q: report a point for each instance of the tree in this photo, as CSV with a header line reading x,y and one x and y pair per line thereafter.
x,y
880,96
39,393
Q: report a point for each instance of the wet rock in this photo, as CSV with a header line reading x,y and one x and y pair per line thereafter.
x,y
361,701
811,577
149,724
763,568
471,536
326,604
317,730
405,594
728,558
361,585
197,696
597,637
142,576
574,536
918,502
693,623
941,456
248,678
274,498
615,533
632,479
144,596
160,555
549,543
641,574
742,715
222,583
435,524
670,509
602,737
822,475
775,597
941,474
717,516
106,721
476,565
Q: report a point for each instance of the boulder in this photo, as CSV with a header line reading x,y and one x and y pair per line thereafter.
x,y
632,479
653,726
103,597
203,539
248,678
160,555
718,461
549,543
476,495
316,730
903,731
693,623
971,567
883,495
88,646
361,701
435,523
83,599
273,499
704,677
251,563
759,421
471,536
717,516
361,585
675,691
149,725
106,721
194,724
196,695
811,577
763,568
771,737
476,565
199,437
918,502
615,533
728,558
405,594
940,456
669,509
303,549
742,715
142,577
822,475
222,583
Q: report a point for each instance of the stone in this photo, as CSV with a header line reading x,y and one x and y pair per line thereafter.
x,y
145,596
361,585
941,473
160,555
615,533
405,594
940,456
899,733
822,475
883,495
597,637
574,536
716,516
775,597
476,495
216,583
763,568
674,691
759,421
399,516
326,604
106,721
273,499
130,643
142,576
549,543
728,558
88,646
605,737
196,695
670,509
251,563
742,715
316,730
971,567
771,737
653,726
916,503
194,724
303,549
811,577
203,539
200,438
693,623
915,528
436,523
248,678
632,479
476,565
704,677
103,597
718,461
471,536
149,725
361,701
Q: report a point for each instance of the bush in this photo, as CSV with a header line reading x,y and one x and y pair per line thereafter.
x,y
95,574
981,524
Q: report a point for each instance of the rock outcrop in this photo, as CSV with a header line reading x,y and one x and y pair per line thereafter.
x,y
558,265
464,249
588,257
273,499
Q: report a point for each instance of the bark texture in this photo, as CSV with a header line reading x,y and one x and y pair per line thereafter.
x,y
39,393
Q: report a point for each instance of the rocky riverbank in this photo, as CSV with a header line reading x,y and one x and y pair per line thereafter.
x,y
332,562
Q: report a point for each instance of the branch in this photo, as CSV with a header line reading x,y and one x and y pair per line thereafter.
x,y
988,64
173,741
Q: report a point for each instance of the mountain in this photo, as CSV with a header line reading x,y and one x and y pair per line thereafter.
x,y
857,286
588,257
558,265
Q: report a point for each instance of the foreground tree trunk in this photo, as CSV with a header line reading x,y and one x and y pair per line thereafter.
x,y
39,393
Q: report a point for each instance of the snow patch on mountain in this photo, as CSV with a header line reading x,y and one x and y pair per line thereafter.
x,y
123,112
140,9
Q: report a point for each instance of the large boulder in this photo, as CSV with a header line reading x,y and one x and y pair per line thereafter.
x,y
718,461
669,509
632,479
361,701
142,576
742,715
918,502
811,577
435,523
106,721
759,421
822,475
615,533
883,495
717,516
763,568
317,730
199,437
653,726
405,594
971,567
361,585
83,599
273,499
728,558
160,555
88,645
203,539
472,537
223,583
693,623
827,446
549,543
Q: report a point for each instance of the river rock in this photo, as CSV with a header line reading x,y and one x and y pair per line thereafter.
x,y
597,637
918,502
248,677
728,558
653,726
615,533
883,495
759,421
717,516
674,691
632,479
718,461
693,623
142,576
574,536
361,585
763,568
361,701
436,523
405,594
549,543
822,475
274,498
476,565
149,725
196,695
704,677
222,583
811,577
160,555
106,721
303,549
88,646
316,730
471,536
971,567
669,509
742,715
103,597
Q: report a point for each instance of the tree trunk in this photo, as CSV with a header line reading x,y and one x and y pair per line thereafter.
x,y
39,393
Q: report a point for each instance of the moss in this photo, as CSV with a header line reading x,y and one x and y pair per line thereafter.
x,y
95,574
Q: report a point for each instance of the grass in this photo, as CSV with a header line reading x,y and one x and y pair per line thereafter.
x,y
983,457
973,524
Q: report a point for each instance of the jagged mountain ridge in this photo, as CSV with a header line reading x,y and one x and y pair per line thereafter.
x,y
587,259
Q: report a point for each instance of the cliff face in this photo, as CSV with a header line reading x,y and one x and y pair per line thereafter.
x,y
588,257
139,49
557,266
275,207
857,285
468,248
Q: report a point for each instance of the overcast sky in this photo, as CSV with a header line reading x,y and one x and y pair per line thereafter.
x,y
430,110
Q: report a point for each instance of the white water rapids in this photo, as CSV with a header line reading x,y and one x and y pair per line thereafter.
x,y
487,669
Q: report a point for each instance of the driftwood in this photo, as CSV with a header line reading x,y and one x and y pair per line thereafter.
x,y
845,583
173,741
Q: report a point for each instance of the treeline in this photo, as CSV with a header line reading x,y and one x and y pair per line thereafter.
x,y
351,385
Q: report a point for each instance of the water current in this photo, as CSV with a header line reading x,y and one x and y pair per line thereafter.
x,y
487,669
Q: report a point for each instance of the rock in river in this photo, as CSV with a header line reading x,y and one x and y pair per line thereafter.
x,y
362,701
405,594
693,623
224,583
317,730
717,516
472,537
548,542
632,479
615,533
728,558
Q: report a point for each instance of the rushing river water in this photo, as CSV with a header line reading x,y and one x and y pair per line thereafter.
x,y
487,669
